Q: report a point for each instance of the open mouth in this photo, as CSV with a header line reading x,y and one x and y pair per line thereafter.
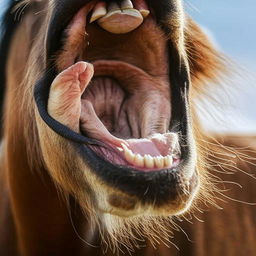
x,y
133,114
123,108
127,104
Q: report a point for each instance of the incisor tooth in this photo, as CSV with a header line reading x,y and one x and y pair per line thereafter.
x,y
129,156
126,4
168,161
99,11
149,161
159,161
139,160
144,13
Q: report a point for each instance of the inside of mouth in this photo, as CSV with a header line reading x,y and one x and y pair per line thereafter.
x,y
129,115
127,105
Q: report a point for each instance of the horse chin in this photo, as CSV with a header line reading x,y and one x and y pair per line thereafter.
x,y
125,105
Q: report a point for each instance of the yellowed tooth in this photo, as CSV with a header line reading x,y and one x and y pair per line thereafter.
x,y
99,11
168,160
159,162
144,13
126,4
129,156
149,161
139,160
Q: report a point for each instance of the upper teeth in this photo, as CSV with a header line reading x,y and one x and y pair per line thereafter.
x,y
118,18
146,161
98,11
126,4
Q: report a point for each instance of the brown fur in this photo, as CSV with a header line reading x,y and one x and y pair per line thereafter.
x,y
37,220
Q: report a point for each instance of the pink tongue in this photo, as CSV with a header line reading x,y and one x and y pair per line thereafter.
x,y
143,147
157,145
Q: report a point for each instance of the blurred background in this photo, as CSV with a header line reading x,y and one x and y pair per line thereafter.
x,y
231,26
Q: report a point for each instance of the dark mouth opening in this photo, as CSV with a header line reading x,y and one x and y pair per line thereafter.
x,y
134,112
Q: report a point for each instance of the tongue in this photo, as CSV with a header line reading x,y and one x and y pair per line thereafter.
x,y
92,126
143,147
155,145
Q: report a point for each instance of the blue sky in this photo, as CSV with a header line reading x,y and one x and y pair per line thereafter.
x,y
231,24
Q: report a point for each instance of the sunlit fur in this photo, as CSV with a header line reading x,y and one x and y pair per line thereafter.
x,y
206,64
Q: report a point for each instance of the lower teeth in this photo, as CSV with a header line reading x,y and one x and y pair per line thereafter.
x,y
146,161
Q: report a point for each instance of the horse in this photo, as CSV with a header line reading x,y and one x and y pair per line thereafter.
x,y
102,152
